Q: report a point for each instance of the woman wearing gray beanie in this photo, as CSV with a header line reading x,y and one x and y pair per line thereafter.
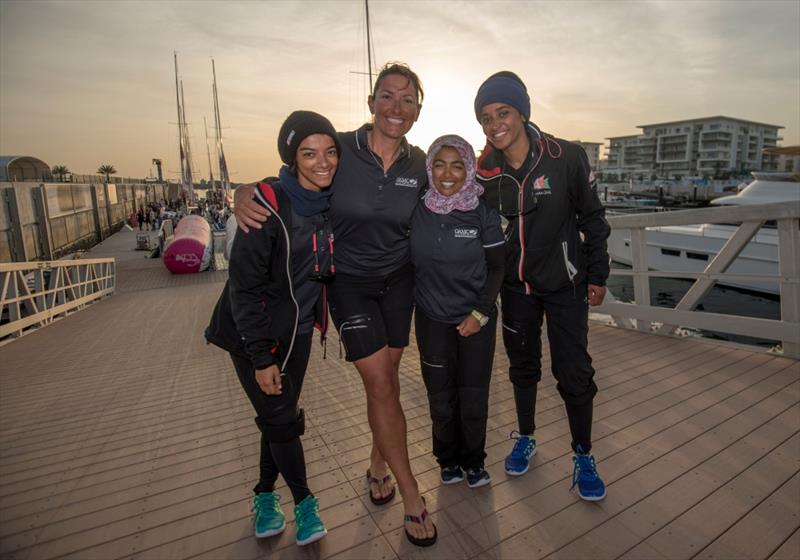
x,y
274,297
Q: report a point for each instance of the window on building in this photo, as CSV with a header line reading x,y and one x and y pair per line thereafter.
x,y
670,252
696,256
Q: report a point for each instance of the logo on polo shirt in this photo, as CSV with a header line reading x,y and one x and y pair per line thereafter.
x,y
406,182
466,232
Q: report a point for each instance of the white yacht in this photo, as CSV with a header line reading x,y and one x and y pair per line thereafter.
x,y
690,248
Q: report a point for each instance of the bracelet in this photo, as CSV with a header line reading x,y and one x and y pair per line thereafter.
x,y
480,317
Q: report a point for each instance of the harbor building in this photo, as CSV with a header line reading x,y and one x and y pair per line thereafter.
x,y
592,150
788,158
694,147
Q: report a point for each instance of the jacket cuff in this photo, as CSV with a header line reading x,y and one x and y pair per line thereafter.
x,y
264,361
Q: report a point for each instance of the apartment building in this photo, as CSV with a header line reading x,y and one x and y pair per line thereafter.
x,y
592,150
695,147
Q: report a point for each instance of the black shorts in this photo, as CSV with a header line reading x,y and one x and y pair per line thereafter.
x,y
372,312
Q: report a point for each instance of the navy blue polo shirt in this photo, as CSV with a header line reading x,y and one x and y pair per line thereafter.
x,y
449,260
371,210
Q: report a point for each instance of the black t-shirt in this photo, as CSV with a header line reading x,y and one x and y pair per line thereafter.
x,y
371,210
447,251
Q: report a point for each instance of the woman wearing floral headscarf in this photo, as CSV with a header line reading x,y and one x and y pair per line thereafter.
x,y
457,248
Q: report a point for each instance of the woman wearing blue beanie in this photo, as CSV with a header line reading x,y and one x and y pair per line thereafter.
x,y
556,265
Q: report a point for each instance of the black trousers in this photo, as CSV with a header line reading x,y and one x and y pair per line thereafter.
x,y
567,314
281,422
457,371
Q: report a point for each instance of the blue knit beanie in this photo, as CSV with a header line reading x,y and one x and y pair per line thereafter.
x,y
503,87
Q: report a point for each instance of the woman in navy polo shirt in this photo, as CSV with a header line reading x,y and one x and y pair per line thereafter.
x,y
457,249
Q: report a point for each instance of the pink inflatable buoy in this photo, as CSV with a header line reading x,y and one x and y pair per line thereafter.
x,y
190,248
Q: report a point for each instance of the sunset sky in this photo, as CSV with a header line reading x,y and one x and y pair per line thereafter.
x,y
87,83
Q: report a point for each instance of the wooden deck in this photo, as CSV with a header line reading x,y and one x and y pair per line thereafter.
x,y
122,435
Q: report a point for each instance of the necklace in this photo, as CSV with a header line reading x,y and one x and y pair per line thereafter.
x,y
372,153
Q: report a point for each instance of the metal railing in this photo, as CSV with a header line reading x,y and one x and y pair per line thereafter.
x,y
665,320
34,294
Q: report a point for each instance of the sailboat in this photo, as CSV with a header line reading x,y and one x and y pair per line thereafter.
x,y
187,184
225,182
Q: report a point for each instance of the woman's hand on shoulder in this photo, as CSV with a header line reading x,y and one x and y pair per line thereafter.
x,y
248,212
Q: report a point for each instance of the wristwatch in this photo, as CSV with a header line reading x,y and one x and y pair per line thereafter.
x,y
480,317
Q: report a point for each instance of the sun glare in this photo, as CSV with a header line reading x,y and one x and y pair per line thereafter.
x,y
447,109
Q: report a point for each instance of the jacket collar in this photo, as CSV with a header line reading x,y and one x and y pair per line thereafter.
x,y
490,164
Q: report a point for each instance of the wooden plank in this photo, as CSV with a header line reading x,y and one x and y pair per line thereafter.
x,y
790,549
763,529
691,472
550,499
699,526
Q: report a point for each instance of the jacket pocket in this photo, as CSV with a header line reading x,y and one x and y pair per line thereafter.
x,y
568,266
544,268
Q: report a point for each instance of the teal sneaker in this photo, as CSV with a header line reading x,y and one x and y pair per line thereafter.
x,y
269,519
309,526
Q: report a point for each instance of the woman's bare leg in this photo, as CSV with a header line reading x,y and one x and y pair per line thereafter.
x,y
377,464
388,424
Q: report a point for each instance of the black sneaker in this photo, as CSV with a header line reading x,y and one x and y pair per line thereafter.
x,y
478,477
452,475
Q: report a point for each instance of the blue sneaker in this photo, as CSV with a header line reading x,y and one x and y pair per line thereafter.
x,y
309,526
478,477
585,477
269,519
518,461
452,475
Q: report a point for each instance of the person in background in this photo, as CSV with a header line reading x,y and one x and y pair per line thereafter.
x,y
556,265
276,292
457,249
380,179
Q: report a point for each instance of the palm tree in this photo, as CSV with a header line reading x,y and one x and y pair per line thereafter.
x,y
106,170
60,171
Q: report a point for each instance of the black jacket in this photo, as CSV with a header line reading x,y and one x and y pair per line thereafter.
x,y
556,203
257,314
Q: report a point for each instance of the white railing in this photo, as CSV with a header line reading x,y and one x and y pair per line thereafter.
x,y
664,320
34,294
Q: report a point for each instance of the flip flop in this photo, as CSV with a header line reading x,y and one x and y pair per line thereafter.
x,y
372,480
428,541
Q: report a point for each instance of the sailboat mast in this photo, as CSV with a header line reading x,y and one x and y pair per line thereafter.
x,y
369,47
223,165
208,153
180,123
188,179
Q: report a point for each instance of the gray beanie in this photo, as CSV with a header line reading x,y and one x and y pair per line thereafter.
x,y
297,127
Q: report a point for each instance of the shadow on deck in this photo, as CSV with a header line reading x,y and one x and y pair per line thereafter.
x,y
123,435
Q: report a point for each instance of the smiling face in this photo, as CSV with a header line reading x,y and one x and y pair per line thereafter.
x,y
394,106
503,125
448,171
316,162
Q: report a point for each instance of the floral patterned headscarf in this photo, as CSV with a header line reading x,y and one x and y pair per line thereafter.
x,y
466,198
